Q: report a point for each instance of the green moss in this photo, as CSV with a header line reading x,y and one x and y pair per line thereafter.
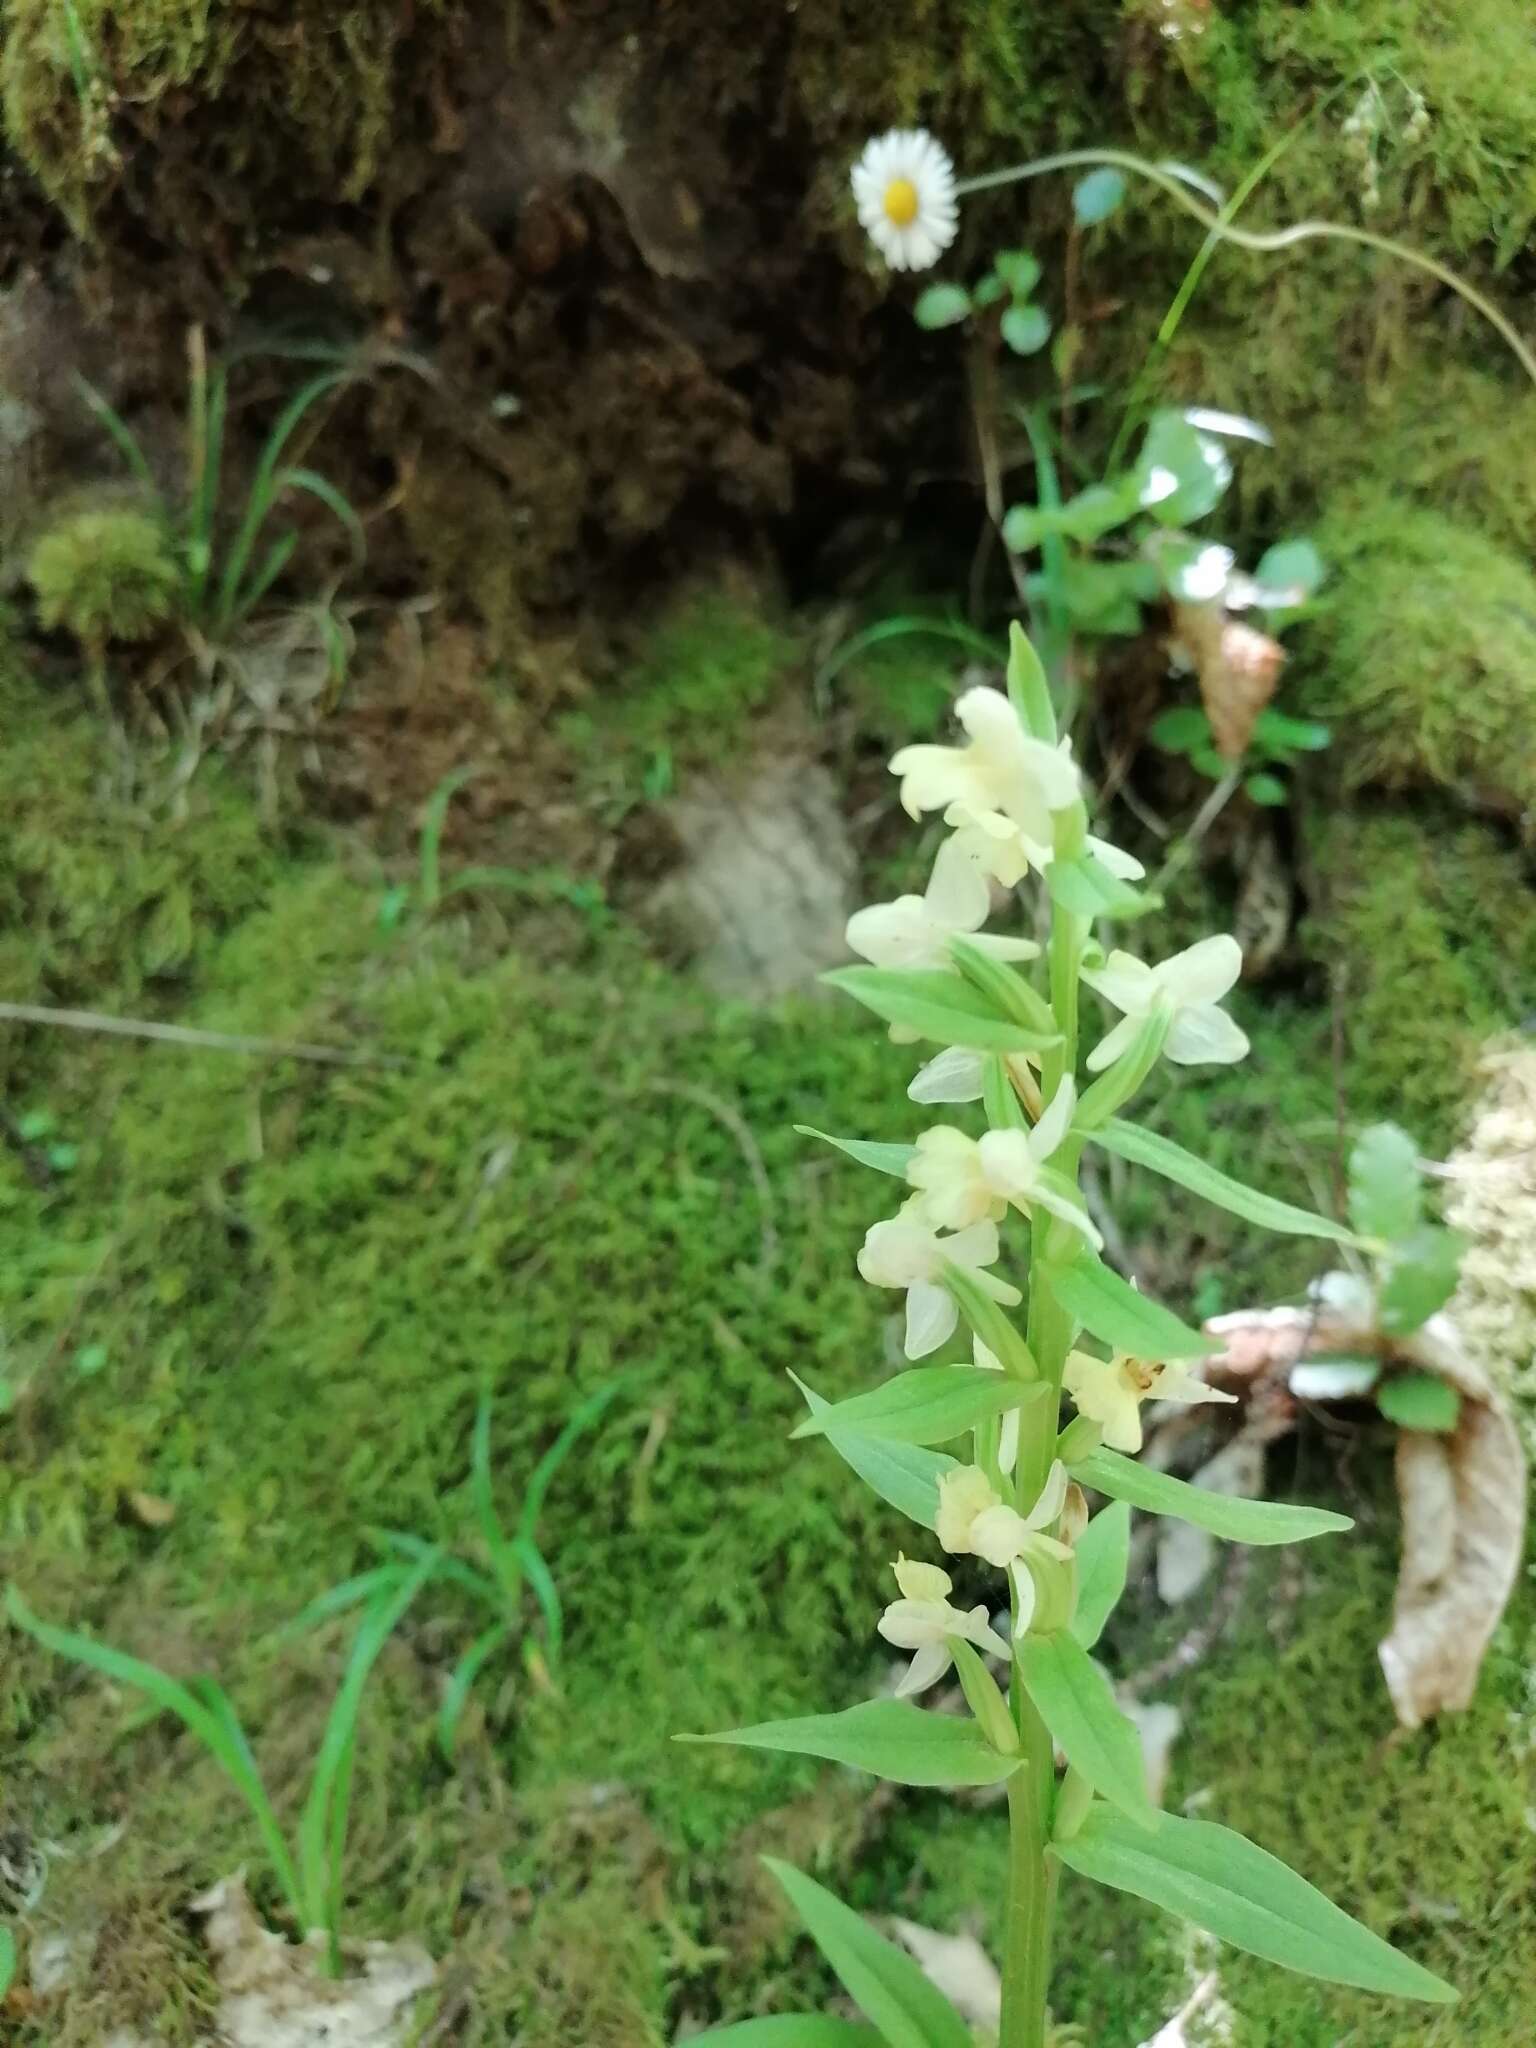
x,y
104,901
1427,931
104,574
712,656
324,81
1425,656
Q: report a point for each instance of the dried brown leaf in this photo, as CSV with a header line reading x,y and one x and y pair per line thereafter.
x,y
274,1995
1462,1496
1238,668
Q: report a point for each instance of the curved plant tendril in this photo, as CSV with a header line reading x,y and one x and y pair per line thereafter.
x,y
1267,243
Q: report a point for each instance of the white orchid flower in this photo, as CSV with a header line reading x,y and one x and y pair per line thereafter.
x,y
973,1520
1110,1391
904,188
1187,987
923,1620
1006,853
905,1252
915,931
963,1180
1003,782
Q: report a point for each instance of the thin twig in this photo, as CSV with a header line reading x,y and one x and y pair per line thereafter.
x,y
1216,802
181,1034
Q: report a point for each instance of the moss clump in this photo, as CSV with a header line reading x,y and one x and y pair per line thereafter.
x,y
105,574
1425,655
1427,932
102,901
711,656
327,81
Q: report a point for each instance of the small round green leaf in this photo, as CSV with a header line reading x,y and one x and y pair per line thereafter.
x,y
1026,329
942,305
1095,197
1267,789
1179,729
1418,1400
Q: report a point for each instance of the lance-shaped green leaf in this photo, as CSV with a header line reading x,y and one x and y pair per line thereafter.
x,y
789,2030
886,1985
891,1738
904,1475
1232,1888
1073,1698
1114,1311
988,1321
1239,1521
890,1159
1103,1554
1161,1156
928,1404
1029,689
938,1005
1004,988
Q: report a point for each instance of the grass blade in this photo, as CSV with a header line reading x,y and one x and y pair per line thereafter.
x,y
205,497
279,555
502,1551
580,1420
127,441
450,1569
259,502
323,1826
212,1725
333,500
465,1672
349,1593
542,1580
432,822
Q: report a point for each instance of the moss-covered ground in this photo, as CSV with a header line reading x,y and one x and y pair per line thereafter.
x,y
267,1293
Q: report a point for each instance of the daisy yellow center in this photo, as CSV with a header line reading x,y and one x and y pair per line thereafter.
x,y
901,202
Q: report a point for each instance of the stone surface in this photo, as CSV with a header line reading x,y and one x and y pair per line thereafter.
x,y
767,881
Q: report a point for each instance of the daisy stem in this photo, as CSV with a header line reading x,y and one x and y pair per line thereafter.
x,y
1276,240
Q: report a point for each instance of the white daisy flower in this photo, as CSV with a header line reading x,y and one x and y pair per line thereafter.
x,y
904,1252
923,1620
1188,987
904,188
1110,1391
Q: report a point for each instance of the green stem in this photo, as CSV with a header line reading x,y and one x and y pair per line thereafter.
x,y
1027,1950
1032,1788
1268,244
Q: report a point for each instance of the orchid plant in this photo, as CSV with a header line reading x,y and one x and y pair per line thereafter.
x,y
1005,1019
